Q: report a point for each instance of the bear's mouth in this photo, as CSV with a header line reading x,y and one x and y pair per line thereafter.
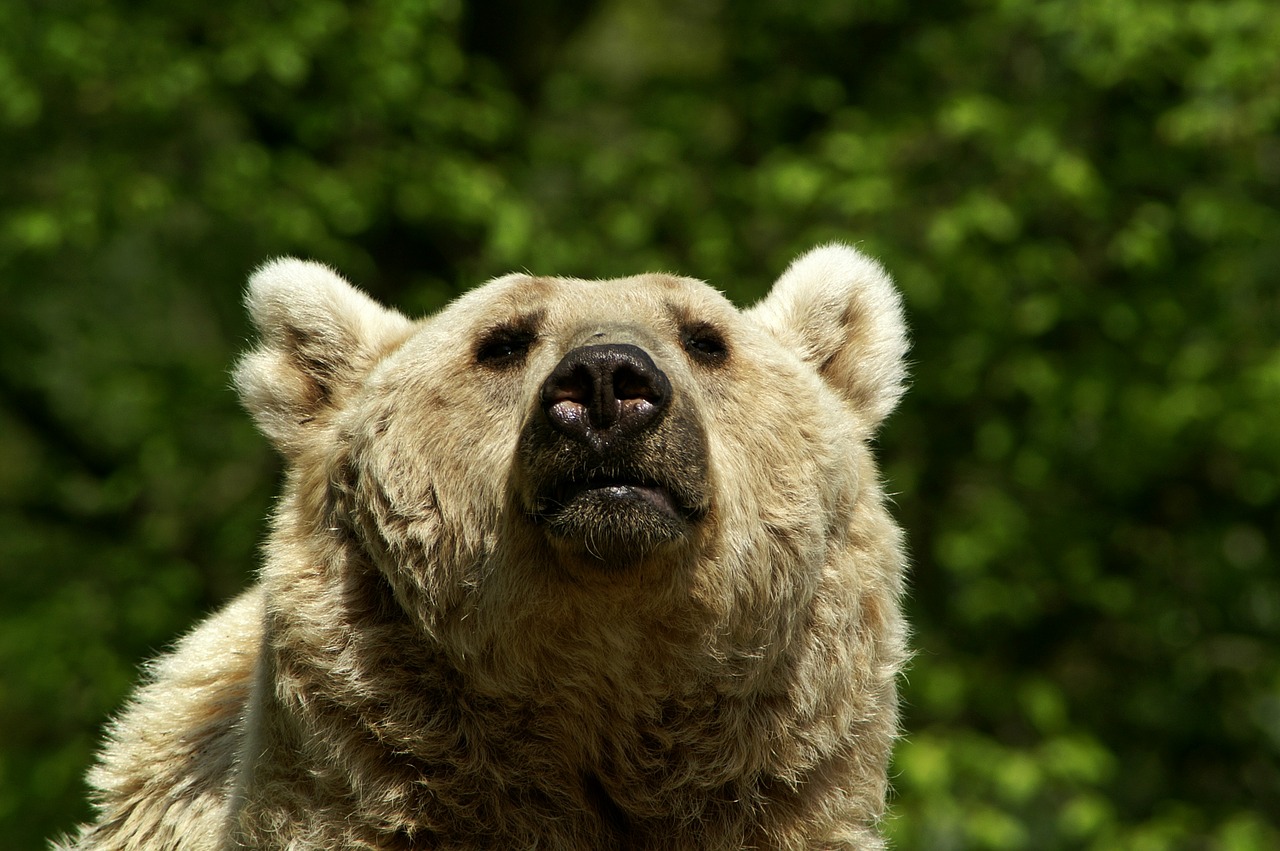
x,y
616,517
619,490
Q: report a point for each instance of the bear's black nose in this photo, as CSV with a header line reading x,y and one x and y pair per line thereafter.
x,y
599,393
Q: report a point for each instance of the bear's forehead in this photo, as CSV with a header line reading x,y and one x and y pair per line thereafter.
x,y
653,297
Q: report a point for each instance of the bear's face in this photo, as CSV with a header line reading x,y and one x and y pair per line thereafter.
x,y
571,415
571,458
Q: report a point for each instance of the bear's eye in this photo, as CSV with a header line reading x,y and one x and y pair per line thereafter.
x,y
705,344
504,346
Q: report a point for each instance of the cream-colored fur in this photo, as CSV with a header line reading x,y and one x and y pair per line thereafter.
x,y
423,664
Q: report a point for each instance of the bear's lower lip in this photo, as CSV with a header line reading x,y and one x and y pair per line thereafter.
x,y
640,494
656,496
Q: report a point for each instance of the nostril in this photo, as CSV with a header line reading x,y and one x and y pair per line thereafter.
x,y
576,385
630,384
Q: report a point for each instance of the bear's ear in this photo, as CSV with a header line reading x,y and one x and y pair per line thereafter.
x,y
319,336
838,309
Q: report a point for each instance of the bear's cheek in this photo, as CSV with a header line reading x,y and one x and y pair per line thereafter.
x,y
776,457
428,474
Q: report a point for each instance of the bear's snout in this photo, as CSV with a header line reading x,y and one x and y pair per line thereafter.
x,y
615,465
600,393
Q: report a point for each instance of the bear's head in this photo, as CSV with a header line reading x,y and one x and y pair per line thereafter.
x,y
556,469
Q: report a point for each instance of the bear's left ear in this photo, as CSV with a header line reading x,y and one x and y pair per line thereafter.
x,y
319,337
839,310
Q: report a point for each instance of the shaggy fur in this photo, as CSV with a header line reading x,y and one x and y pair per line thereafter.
x,y
450,647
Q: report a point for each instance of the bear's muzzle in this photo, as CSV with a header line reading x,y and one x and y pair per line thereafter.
x,y
616,466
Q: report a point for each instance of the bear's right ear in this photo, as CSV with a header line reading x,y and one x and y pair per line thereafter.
x,y
319,336
838,309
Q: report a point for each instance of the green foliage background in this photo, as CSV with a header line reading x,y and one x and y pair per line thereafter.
x,y
1078,198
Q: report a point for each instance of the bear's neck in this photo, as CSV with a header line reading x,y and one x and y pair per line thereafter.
x,y
425,740
417,751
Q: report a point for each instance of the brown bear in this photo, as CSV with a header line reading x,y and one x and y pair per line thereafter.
x,y
572,564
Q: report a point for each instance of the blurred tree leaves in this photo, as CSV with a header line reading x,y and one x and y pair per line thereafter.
x,y
1079,200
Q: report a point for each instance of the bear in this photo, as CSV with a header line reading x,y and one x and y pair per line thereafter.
x,y
570,564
